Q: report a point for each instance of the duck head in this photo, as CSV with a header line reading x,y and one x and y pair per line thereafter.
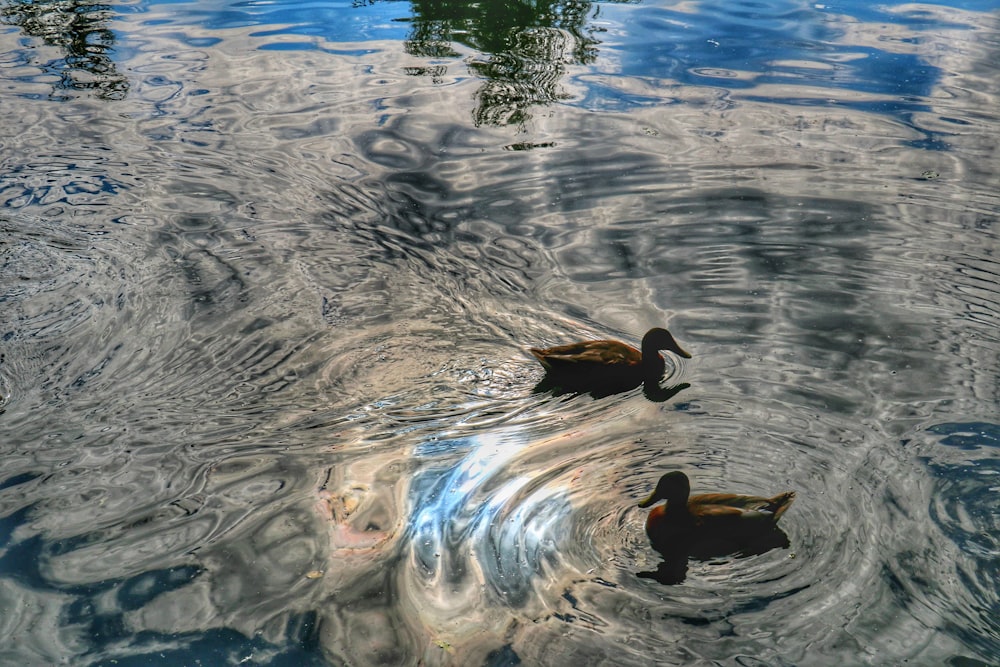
x,y
673,487
660,339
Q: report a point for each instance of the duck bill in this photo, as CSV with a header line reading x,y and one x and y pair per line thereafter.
x,y
648,501
681,351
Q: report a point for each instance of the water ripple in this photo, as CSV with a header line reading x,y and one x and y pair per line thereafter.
x,y
264,387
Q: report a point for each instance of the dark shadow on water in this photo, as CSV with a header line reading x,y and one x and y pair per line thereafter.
x,y
81,30
653,391
673,568
965,464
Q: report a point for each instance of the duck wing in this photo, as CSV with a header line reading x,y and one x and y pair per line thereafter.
x,y
591,352
753,508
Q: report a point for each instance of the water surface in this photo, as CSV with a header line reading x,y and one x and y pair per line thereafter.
x,y
270,270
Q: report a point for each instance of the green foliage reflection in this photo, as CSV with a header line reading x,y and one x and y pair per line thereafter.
x,y
80,29
524,48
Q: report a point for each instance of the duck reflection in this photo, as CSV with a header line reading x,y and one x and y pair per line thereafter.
x,y
525,47
80,29
709,525
652,390
673,568
605,367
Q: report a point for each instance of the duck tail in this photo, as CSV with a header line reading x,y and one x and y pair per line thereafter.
x,y
540,355
782,502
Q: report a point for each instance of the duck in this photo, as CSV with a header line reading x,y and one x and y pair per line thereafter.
x,y
722,518
609,362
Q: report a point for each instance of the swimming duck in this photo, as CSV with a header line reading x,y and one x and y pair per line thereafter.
x,y
609,362
723,516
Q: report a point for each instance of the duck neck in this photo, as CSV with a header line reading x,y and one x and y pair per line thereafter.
x,y
677,506
652,361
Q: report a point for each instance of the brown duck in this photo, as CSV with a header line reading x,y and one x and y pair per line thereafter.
x,y
725,516
609,362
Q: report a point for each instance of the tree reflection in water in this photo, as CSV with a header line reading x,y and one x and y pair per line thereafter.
x,y
524,47
80,29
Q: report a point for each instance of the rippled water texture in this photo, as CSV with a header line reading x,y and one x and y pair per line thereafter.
x,y
269,272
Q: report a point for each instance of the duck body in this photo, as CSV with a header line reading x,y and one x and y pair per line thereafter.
x,y
608,362
718,517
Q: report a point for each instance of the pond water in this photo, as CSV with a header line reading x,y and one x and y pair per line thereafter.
x,y
269,275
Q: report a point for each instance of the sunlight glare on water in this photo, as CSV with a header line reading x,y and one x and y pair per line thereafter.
x,y
269,273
